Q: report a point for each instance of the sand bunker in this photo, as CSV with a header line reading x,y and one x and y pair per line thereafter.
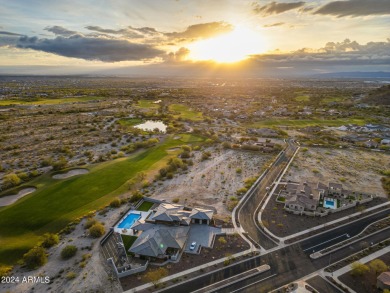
x,y
70,173
10,199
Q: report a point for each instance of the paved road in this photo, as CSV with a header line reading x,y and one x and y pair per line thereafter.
x,y
339,234
287,265
293,264
247,213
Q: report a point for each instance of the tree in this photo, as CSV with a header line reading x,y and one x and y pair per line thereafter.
x,y
35,257
11,180
359,269
96,230
50,240
156,275
378,266
68,251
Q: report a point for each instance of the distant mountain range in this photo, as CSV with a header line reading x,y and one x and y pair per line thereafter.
x,y
355,74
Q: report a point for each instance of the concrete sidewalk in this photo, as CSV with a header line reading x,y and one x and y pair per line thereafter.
x,y
336,274
192,270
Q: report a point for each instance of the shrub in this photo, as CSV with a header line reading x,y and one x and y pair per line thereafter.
x,y
89,223
35,257
136,196
238,170
226,145
96,230
241,191
222,240
115,203
70,275
205,156
50,240
68,251
11,180
4,271
186,148
175,200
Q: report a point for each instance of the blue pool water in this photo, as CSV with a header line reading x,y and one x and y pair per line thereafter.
x,y
329,204
129,221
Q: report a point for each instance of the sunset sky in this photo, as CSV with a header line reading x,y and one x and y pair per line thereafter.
x,y
166,36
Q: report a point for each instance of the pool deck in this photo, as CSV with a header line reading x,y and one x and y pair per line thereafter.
x,y
334,203
129,231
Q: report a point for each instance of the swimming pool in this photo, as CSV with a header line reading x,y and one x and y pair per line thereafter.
x,y
329,204
129,221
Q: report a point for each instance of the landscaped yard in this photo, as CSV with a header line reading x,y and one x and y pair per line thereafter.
x,y
145,206
58,202
185,113
128,241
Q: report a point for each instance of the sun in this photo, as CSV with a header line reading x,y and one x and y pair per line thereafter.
x,y
234,46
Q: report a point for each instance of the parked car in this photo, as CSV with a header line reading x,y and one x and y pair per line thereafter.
x,y
193,245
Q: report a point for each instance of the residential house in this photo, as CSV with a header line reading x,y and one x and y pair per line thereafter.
x,y
335,189
164,233
304,196
383,281
160,241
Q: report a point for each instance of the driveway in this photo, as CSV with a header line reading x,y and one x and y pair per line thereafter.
x,y
203,235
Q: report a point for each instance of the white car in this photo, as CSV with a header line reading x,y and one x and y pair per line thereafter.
x,y
192,246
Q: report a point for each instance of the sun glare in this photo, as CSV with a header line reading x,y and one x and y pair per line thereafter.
x,y
231,47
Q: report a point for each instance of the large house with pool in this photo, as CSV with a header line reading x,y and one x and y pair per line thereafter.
x,y
166,230
319,199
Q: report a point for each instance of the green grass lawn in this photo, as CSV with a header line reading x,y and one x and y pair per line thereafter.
x,y
307,122
47,101
145,206
148,104
58,202
128,241
185,113
302,98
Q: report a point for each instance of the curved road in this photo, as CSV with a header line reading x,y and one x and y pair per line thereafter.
x,y
247,212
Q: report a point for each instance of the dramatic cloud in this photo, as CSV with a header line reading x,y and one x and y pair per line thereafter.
x,y
179,55
9,34
145,30
8,38
274,24
61,31
334,53
202,30
103,49
275,8
355,8
129,33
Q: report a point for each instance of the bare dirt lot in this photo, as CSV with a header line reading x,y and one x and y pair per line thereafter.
x,y
357,170
214,181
